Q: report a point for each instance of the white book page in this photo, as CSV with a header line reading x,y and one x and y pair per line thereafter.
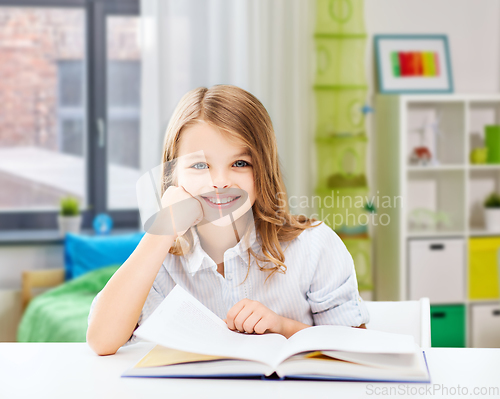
x,y
296,366
182,322
347,339
382,360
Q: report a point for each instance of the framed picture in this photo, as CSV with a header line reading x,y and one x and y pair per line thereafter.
x,y
413,64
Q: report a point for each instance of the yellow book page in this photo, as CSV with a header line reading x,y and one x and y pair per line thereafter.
x,y
162,356
318,355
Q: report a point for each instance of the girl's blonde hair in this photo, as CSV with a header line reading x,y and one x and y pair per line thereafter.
x,y
238,114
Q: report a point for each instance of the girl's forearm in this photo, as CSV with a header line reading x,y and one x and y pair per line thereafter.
x,y
119,306
290,327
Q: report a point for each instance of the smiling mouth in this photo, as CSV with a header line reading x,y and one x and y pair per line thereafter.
x,y
221,201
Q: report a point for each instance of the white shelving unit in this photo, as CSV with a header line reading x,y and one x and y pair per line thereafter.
x,y
452,186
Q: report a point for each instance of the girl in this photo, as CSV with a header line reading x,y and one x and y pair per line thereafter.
x,y
220,153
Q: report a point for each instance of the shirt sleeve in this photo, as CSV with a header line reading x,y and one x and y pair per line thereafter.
x,y
333,294
162,285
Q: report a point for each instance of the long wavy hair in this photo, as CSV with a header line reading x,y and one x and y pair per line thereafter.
x,y
238,114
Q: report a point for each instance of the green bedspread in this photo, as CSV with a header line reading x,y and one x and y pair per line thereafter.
x,y
60,314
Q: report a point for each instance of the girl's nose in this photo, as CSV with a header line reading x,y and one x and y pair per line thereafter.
x,y
220,179
220,186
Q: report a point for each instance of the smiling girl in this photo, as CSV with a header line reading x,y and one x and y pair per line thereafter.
x,y
233,243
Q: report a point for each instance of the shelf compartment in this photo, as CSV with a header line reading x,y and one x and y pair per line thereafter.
x,y
435,195
440,127
481,113
482,182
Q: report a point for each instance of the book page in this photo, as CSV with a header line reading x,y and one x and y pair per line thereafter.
x,y
161,356
382,360
329,368
347,339
182,322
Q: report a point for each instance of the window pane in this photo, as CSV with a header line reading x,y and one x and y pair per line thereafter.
x,y
123,110
42,125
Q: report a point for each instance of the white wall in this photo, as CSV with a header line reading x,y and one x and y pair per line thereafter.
x,y
472,27
15,259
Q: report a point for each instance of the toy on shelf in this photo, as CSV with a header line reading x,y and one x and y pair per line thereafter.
x,y
102,224
492,142
422,155
479,155
427,219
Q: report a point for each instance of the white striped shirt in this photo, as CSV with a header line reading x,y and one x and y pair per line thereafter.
x,y
319,286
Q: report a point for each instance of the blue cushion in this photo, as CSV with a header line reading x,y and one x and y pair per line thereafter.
x,y
83,254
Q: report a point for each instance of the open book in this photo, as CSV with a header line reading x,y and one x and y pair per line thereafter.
x,y
194,342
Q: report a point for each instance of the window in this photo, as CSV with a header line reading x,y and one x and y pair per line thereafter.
x,y
70,115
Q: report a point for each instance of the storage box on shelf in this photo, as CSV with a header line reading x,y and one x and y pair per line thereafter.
x,y
432,262
483,268
448,326
485,325
423,157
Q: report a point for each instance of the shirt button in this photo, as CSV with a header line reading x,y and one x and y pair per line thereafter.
x,y
229,276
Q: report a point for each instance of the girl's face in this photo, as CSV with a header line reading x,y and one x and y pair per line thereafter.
x,y
215,169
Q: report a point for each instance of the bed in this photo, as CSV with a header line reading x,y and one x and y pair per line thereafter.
x,y
60,313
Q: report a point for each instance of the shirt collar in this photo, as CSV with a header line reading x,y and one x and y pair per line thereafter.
x,y
197,259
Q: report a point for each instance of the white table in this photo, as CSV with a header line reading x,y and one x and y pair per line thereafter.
x,y
64,370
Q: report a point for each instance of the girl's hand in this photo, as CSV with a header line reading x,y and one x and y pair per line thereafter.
x,y
183,207
253,317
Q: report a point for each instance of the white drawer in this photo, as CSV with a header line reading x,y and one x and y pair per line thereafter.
x,y
436,270
485,326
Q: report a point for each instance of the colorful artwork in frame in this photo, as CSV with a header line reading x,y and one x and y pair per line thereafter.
x,y
413,64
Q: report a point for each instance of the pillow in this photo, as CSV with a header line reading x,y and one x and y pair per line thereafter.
x,y
85,253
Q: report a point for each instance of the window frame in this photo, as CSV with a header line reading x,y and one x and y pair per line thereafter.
x,y
95,12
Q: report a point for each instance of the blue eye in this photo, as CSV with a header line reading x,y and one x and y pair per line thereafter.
x,y
200,165
241,164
